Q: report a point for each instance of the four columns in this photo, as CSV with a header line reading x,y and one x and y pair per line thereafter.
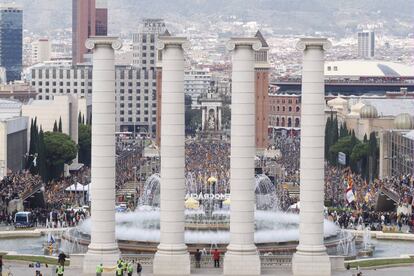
x,y
311,257
172,257
103,247
241,257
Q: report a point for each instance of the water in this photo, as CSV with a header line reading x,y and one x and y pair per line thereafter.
x,y
383,248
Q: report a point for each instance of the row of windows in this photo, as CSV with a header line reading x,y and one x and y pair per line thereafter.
x,y
290,109
61,90
122,112
284,122
290,101
137,119
54,83
54,73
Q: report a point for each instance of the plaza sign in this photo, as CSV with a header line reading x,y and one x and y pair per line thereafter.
x,y
201,196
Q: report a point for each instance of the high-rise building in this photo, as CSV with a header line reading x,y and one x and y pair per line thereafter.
x,y
196,83
101,15
11,43
83,26
145,42
135,90
261,70
366,44
41,50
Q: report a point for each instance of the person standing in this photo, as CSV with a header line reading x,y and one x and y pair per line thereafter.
x,y
130,269
197,257
99,269
119,270
139,269
59,270
216,258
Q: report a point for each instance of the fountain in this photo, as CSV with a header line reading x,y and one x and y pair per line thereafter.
x,y
346,246
368,248
207,217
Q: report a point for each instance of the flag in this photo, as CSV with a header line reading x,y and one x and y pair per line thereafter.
x,y
349,194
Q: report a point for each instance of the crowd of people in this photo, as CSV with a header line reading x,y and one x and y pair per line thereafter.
x,y
206,159
16,185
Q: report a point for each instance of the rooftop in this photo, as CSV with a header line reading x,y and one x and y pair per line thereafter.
x,y
367,68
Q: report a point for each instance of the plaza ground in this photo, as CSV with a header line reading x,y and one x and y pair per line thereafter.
x,y
21,268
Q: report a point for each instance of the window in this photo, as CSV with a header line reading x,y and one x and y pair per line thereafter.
x,y
290,109
283,109
297,109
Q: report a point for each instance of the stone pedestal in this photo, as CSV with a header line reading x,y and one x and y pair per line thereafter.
x,y
172,257
103,247
242,257
311,257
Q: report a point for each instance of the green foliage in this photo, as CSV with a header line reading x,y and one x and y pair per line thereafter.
x,y
225,116
84,140
359,152
55,127
59,150
60,124
192,120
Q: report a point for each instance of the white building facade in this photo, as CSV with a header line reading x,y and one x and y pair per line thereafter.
x,y
196,83
135,91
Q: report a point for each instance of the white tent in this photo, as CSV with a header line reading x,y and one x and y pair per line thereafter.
x,y
77,188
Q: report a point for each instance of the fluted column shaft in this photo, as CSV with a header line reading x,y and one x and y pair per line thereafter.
x,y
311,234
241,257
172,257
103,247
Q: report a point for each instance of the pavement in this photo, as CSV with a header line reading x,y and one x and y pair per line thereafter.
x,y
22,269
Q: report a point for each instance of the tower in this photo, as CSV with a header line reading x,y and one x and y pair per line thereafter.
x,y
101,17
366,44
11,24
83,26
261,71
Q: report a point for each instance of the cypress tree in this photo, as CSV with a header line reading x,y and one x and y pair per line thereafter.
x,y
60,124
55,128
79,118
34,167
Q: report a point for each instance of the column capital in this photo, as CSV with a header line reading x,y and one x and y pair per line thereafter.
x,y
244,41
176,41
111,41
313,42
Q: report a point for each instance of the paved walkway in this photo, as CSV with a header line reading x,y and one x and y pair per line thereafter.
x,y
20,268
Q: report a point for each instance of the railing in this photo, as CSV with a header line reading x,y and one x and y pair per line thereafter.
x,y
392,195
30,192
267,262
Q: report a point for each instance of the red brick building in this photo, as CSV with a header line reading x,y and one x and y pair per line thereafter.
x,y
284,111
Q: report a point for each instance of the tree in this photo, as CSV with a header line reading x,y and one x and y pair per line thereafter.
x,y
34,148
55,127
327,137
192,120
84,140
343,131
373,155
60,124
59,150
79,118
344,145
225,116
359,156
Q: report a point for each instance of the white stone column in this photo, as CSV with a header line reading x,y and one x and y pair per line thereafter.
x,y
242,257
172,257
219,118
203,117
311,257
103,247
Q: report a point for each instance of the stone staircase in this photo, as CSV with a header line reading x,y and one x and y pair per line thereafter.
x,y
129,188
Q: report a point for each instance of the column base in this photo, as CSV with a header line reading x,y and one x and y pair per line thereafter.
x,y
170,263
95,257
241,263
311,264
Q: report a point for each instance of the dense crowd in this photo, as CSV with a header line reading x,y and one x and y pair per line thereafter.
x,y
205,159
289,158
16,185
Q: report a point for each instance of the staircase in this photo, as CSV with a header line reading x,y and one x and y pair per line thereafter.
x,y
128,188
